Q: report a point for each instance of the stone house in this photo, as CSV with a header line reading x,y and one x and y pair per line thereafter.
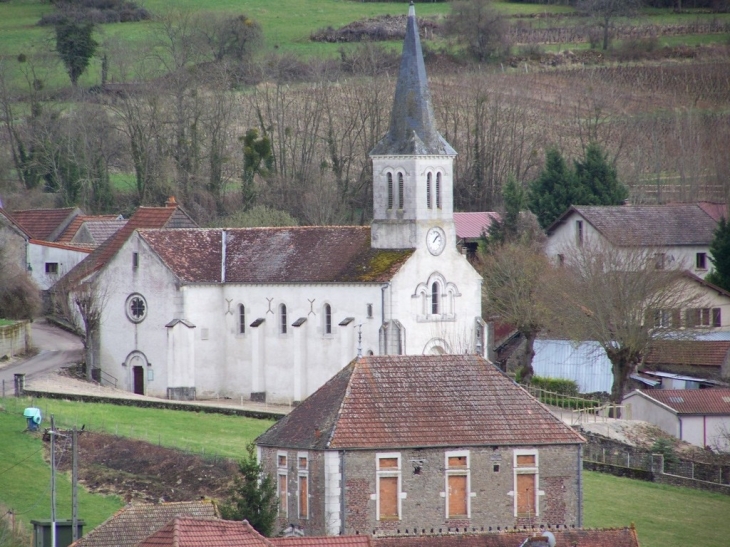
x,y
422,442
273,313
678,235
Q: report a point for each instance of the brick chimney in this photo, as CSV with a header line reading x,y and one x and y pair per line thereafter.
x,y
171,202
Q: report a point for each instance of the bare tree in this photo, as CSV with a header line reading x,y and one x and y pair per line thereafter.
x,y
605,13
477,25
513,292
621,299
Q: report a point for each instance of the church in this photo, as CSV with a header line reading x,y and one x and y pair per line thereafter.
x,y
271,314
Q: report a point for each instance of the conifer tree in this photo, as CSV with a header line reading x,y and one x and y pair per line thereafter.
x,y
554,190
597,179
720,256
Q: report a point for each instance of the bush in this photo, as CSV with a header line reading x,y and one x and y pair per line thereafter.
x,y
97,12
557,385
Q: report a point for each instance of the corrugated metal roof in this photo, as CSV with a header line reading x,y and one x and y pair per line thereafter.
x,y
694,401
418,401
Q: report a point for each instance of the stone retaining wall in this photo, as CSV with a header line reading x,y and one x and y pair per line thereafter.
x,y
15,339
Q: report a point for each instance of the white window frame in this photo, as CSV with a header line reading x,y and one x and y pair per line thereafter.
x,y
461,472
534,470
388,472
241,326
302,473
283,471
282,326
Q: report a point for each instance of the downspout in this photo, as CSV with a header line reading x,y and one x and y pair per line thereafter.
x,y
342,492
383,288
223,256
580,486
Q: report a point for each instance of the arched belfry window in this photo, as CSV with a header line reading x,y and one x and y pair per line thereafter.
x,y
327,319
282,314
241,319
435,298
390,190
428,191
401,186
438,190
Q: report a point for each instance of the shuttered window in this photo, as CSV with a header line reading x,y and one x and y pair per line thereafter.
x,y
526,495
303,484
526,483
388,493
457,485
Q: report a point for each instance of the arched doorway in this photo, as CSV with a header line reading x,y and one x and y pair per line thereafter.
x,y
136,363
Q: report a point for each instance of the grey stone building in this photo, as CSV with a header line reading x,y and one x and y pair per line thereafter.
x,y
426,443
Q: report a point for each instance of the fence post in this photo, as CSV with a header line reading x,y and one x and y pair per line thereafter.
x,y
19,384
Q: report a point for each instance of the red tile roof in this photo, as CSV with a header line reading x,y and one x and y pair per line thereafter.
x,y
189,532
323,541
473,225
613,537
79,248
42,223
128,526
144,217
711,353
647,225
306,254
715,210
418,401
8,215
693,401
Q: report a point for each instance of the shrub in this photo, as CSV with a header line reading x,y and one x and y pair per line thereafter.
x,y
557,385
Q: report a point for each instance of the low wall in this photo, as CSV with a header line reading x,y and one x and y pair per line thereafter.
x,y
15,339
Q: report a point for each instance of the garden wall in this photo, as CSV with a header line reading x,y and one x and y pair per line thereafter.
x,y
15,339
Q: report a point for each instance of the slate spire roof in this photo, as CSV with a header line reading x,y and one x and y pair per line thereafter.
x,y
388,402
412,126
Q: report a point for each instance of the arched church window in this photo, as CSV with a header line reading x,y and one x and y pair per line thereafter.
x,y
327,319
435,298
438,190
282,316
390,190
428,191
400,191
241,319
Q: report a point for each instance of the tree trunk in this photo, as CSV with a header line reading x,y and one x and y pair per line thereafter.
x,y
526,370
623,364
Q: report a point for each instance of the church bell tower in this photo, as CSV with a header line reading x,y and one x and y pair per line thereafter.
x,y
413,164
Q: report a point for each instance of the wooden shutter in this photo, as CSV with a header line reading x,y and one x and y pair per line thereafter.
x,y
676,318
457,496
525,494
388,497
526,460
282,495
716,317
303,497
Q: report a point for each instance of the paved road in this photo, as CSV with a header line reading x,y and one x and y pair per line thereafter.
x,y
56,348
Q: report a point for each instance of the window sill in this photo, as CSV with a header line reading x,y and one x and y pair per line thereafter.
x,y
389,519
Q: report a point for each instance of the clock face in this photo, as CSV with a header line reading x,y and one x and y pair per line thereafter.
x,y
436,240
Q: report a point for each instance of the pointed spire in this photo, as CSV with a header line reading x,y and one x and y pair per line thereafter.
x,y
412,126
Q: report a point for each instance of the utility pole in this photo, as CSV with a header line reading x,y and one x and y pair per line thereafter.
x,y
74,486
53,483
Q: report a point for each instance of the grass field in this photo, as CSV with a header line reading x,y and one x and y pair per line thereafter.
x,y
664,516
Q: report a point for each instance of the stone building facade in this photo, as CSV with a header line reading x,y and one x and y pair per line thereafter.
x,y
422,443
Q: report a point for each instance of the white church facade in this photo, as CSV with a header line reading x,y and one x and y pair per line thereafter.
x,y
273,313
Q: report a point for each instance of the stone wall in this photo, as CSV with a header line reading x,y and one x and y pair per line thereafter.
x,y
15,339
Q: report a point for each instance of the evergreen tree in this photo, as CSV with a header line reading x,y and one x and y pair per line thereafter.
x,y
253,496
76,46
515,200
258,159
720,256
554,190
597,179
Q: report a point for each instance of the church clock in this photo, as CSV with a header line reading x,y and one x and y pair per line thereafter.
x,y
436,240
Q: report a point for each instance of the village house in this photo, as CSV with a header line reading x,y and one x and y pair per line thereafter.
x,y
697,416
422,442
677,235
272,313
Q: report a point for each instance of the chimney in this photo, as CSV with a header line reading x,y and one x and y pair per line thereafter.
x,y
171,202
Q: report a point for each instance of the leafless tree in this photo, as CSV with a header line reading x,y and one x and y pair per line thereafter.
x,y
621,299
477,25
513,292
605,13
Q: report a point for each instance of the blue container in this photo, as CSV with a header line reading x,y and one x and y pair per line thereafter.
x,y
33,417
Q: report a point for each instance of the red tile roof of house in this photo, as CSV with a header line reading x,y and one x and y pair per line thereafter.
x,y
323,541
711,353
647,225
611,537
44,223
189,532
305,254
473,225
144,217
130,525
69,247
418,401
693,401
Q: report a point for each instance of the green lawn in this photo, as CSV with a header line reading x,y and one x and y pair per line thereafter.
x,y
665,516
4,322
